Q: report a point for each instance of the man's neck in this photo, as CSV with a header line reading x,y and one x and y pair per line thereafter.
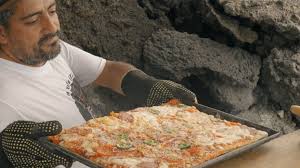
x,y
12,58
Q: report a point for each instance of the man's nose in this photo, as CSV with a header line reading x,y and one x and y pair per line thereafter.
x,y
50,25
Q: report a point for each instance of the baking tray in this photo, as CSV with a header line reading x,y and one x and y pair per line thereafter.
x,y
272,134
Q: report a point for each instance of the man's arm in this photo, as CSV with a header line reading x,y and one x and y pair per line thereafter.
x,y
113,74
140,87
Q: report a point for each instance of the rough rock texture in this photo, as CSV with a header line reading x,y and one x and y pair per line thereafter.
x,y
112,29
281,76
234,72
159,8
282,15
276,21
266,115
228,22
206,16
197,15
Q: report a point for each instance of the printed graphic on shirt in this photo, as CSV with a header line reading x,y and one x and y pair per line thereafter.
x,y
74,90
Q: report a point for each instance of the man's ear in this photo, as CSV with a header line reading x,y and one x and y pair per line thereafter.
x,y
3,35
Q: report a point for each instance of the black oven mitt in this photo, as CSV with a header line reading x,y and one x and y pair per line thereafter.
x,y
149,91
19,144
4,162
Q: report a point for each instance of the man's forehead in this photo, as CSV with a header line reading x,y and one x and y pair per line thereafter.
x,y
28,6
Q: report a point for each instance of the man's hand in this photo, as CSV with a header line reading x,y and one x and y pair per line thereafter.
x,y
149,91
165,90
19,143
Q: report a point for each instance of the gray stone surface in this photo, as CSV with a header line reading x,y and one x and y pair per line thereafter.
x,y
283,15
162,5
112,29
281,76
263,114
230,26
256,26
230,98
205,14
174,55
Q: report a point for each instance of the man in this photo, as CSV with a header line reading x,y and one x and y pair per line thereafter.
x,y
41,79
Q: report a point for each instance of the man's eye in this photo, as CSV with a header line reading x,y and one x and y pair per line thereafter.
x,y
31,22
53,12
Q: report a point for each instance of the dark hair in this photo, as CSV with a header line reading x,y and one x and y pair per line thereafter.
x,y
6,14
3,2
4,17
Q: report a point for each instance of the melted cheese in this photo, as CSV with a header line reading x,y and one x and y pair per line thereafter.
x,y
146,117
69,137
89,146
129,162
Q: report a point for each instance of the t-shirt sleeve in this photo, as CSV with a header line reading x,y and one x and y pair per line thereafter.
x,y
8,115
85,66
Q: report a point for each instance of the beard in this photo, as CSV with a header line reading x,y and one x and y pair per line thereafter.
x,y
40,54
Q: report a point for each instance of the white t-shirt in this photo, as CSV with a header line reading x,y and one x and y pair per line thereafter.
x,y
50,92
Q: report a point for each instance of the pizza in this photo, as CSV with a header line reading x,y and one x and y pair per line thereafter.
x,y
166,136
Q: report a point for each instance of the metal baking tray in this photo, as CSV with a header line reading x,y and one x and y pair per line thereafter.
x,y
272,134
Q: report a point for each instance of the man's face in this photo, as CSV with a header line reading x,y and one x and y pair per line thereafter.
x,y
32,36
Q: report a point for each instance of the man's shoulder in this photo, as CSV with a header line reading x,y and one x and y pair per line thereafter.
x,y
65,51
66,48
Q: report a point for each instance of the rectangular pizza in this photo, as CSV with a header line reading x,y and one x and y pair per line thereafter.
x,y
172,135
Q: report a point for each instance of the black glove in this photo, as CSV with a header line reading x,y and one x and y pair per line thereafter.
x,y
19,143
4,162
149,91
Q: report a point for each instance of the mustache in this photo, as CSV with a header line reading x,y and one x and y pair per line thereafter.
x,y
48,36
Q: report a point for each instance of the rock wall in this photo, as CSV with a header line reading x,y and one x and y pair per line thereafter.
x,y
232,53
112,29
281,74
229,74
258,26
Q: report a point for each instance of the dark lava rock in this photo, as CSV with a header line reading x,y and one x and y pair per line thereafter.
x,y
112,29
230,74
281,76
